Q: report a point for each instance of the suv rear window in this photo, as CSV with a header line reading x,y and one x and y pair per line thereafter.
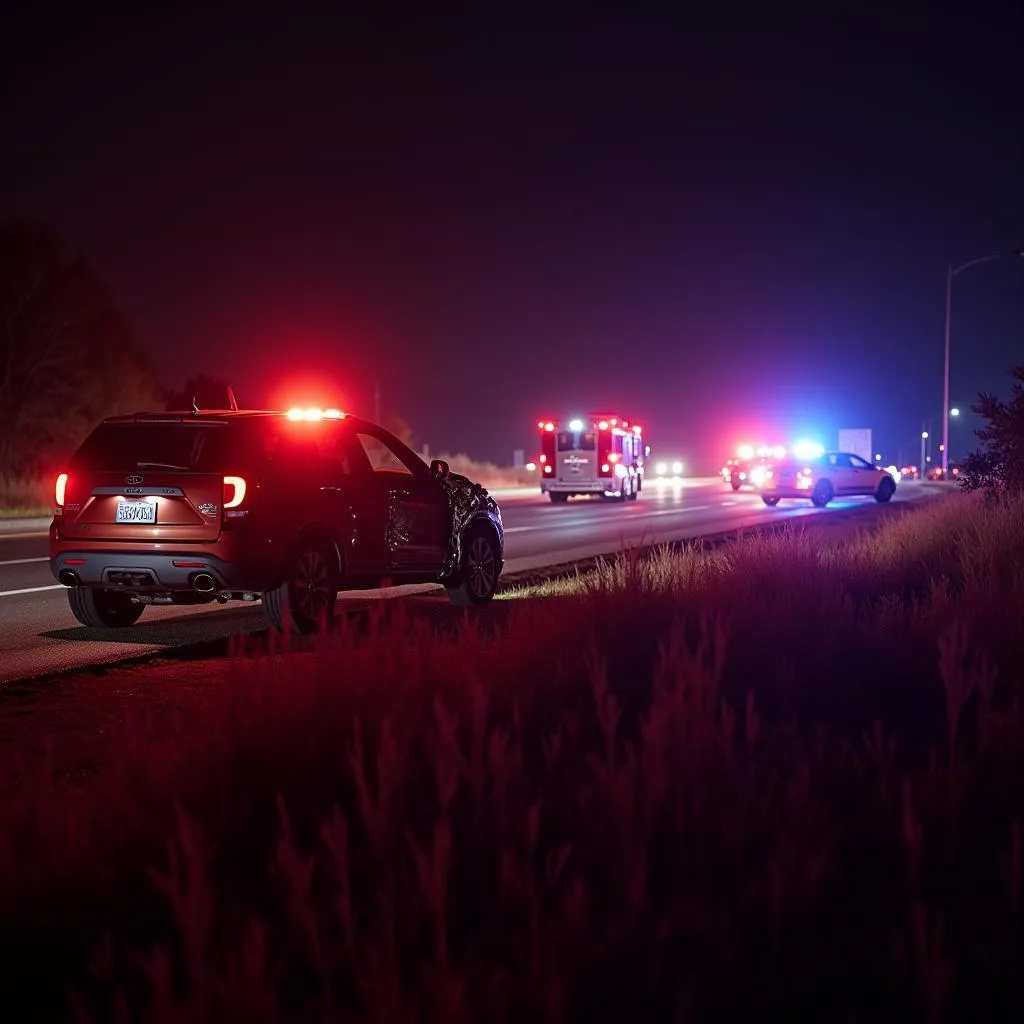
x,y
187,446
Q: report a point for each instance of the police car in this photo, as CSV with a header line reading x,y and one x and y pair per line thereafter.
x,y
827,476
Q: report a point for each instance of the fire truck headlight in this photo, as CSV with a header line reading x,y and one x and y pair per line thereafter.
x,y
661,469
621,470
677,468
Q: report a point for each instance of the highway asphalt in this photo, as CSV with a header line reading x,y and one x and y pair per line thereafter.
x,y
39,635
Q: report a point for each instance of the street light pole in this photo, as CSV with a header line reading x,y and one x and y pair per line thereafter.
x,y
924,437
951,272
945,375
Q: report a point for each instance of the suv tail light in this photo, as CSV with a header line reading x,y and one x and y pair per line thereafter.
x,y
60,492
234,491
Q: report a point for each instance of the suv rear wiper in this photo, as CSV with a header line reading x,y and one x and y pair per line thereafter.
x,y
161,465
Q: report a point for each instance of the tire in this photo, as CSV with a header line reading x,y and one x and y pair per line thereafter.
x,y
770,502
634,489
886,489
304,602
822,493
558,497
735,484
478,573
104,609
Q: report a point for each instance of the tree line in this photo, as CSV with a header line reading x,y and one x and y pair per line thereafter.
x,y
68,355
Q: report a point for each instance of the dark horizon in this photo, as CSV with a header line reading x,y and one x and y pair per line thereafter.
x,y
730,236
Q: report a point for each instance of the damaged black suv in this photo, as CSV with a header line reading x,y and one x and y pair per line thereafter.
x,y
284,507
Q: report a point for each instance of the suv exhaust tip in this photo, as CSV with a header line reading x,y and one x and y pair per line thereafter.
x,y
203,582
68,577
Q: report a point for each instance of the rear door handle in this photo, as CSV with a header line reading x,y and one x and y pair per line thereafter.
x,y
330,489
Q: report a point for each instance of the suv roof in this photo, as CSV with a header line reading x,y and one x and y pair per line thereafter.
x,y
222,415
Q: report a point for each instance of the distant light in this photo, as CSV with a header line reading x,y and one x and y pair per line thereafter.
x,y
575,424
954,412
313,415
878,458
531,466
745,451
924,435
779,451
295,414
677,468
333,414
661,469
807,449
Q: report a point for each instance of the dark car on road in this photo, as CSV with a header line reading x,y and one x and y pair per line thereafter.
x,y
287,508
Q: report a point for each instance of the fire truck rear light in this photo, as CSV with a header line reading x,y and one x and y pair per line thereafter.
x,y
549,427
543,458
605,468
613,457
234,491
603,425
547,469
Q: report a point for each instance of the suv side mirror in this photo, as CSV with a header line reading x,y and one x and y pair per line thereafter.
x,y
439,469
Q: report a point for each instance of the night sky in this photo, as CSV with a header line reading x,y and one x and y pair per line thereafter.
x,y
729,235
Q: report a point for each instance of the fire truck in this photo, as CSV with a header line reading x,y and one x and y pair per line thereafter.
x,y
603,455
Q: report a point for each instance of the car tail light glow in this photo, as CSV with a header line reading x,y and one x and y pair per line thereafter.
x,y
60,490
234,491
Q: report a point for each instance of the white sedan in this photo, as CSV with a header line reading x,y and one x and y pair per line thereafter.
x,y
832,475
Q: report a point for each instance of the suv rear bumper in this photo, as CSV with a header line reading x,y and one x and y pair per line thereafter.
x,y
147,572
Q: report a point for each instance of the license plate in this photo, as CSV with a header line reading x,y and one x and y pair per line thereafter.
x,y
136,512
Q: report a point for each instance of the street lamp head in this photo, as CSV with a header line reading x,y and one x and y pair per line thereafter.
x,y
924,434
954,412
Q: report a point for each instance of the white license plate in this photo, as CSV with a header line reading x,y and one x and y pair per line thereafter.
x,y
136,512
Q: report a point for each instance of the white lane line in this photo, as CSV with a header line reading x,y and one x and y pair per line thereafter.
x,y
23,561
32,590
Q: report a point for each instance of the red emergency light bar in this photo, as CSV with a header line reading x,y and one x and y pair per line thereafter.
x,y
614,423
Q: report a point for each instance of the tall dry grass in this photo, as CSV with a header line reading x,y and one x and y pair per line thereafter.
x,y
25,496
771,780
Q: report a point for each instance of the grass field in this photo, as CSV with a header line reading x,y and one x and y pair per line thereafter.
x,y
775,779
24,497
